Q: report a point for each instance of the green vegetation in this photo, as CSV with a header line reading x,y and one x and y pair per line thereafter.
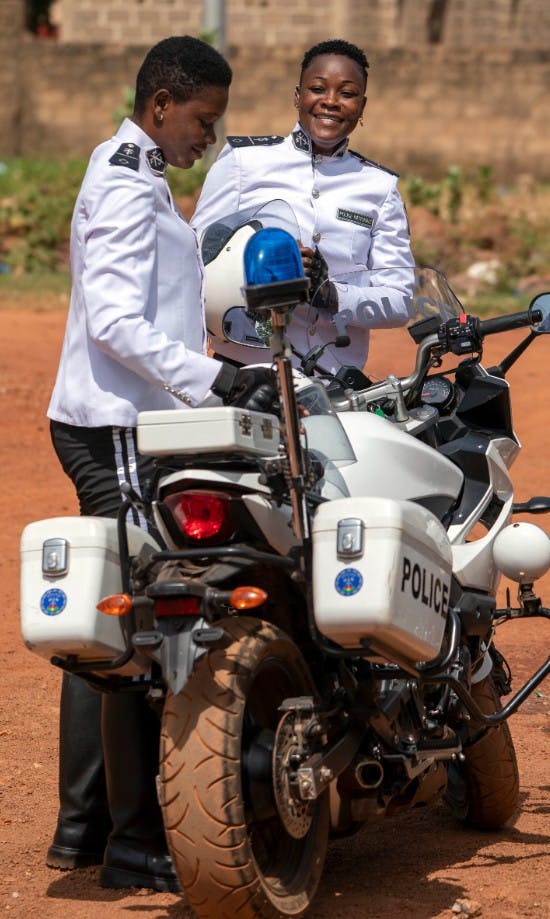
x,y
491,242
446,197
36,203
127,106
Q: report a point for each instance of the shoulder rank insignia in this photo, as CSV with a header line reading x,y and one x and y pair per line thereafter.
x,y
261,140
367,162
126,155
157,163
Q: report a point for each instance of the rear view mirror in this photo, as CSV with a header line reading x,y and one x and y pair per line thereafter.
x,y
541,306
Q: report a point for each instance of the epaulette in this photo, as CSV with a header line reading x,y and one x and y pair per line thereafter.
x,y
126,155
261,140
367,162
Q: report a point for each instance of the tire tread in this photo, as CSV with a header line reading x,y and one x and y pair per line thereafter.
x,y
201,744
490,769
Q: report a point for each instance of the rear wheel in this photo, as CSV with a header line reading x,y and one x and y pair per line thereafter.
x,y
483,791
230,848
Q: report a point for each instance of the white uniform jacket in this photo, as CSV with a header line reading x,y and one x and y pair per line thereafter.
x,y
135,334
346,205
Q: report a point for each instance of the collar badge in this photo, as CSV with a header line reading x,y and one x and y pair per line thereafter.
x,y
301,141
156,160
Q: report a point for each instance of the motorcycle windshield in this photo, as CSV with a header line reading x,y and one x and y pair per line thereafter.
x,y
276,213
360,319
350,315
380,297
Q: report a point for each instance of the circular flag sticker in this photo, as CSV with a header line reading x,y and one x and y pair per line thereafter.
x,y
53,602
348,582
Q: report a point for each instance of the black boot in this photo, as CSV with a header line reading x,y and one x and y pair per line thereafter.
x,y
83,822
136,853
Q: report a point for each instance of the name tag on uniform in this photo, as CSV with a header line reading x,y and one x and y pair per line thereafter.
x,y
362,220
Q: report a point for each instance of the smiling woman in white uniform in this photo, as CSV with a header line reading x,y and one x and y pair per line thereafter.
x,y
348,208
135,340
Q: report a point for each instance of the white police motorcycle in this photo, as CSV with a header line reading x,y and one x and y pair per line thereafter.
x,y
315,617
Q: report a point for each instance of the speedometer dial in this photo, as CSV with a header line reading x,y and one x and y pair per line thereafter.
x,y
437,391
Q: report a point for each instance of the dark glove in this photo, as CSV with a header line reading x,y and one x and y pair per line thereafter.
x,y
318,271
263,399
253,388
323,293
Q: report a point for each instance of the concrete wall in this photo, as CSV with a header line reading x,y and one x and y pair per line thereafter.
x,y
386,23
11,32
427,107
451,81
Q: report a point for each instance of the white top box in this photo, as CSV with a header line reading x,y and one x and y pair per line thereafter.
x,y
219,429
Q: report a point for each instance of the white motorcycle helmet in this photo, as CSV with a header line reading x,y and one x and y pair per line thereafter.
x,y
224,280
222,247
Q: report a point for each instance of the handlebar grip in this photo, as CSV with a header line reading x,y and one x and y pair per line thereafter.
x,y
505,323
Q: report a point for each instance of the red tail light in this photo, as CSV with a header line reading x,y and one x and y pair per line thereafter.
x,y
201,515
178,606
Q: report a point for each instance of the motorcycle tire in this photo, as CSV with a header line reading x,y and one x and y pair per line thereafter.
x,y
483,791
229,846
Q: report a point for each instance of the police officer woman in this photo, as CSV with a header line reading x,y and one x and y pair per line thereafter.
x,y
134,340
348,209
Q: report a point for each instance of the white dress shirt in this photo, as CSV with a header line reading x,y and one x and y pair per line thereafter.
x,y
135,338
347,206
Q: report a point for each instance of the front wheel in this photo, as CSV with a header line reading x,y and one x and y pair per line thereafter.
x,y
483,791
230,848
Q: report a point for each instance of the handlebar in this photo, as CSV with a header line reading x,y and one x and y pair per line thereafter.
x,y
461,335
464,334
509,322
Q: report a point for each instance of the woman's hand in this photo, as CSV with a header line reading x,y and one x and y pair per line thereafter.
x,y
307,258
322,294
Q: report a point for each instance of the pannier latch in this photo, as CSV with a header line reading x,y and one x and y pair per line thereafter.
x,y
55,557
349,542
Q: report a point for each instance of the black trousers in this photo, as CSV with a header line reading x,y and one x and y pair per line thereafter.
x,y
99,461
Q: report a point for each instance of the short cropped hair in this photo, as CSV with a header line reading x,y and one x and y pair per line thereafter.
x,y
183,65
336,46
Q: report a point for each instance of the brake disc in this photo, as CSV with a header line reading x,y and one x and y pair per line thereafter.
x,y
296,815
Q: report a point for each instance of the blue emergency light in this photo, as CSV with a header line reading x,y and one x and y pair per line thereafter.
x,y
273,270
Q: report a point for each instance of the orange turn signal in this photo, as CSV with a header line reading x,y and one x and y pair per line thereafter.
x,y
247,597
115,605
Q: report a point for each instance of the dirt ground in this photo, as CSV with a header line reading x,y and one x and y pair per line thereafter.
x,y
420,865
